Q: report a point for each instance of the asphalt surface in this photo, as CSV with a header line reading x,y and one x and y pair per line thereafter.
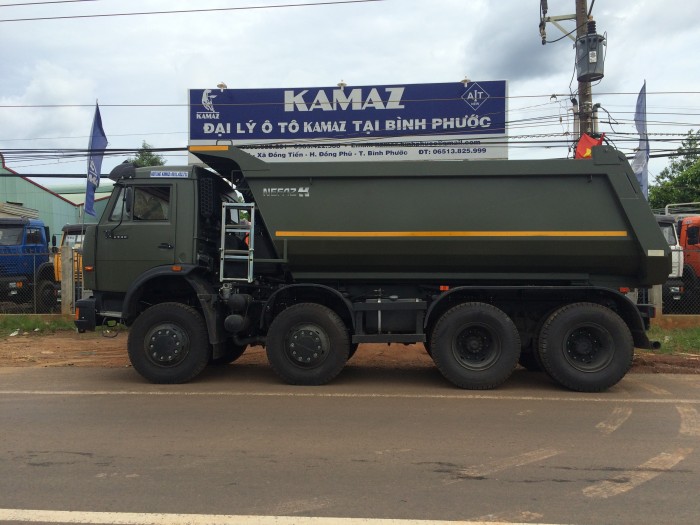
x,y
374,444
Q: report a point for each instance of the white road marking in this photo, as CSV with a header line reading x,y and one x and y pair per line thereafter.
x,y
506,463
131,518
631,479
690,421
583,398
510,517
615,420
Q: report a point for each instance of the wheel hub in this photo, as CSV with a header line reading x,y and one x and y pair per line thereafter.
x,y
167,345
589,348
583,346
474,344
307,347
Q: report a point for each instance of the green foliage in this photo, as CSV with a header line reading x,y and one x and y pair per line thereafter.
x,y
677,340
34,324
145,157
680,181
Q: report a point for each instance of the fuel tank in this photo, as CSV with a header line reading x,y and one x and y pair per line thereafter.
x,y
554,221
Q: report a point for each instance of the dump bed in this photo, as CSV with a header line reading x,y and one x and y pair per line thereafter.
x,y
455,222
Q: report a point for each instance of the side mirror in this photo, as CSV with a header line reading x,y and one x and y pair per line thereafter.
x,y
54,243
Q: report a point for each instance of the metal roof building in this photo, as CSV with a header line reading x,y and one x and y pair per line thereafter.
x,y
24,197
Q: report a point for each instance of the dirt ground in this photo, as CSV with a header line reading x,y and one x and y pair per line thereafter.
x,y
95,350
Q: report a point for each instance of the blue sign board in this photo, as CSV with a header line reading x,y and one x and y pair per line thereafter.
x,y
455,113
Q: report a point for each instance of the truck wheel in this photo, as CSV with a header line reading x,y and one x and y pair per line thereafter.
x,y
46,297
586,347
168,343
475,346
231,353
307,344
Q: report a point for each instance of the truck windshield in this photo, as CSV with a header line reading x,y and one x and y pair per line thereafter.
x,y
74,240
669,233
11,236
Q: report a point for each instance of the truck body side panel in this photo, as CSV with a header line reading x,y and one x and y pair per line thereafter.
x,y
551,221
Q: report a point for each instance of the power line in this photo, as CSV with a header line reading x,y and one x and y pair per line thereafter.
x,y
181,11
427,100
42,3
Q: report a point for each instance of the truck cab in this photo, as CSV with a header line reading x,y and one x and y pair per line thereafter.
x,y
159,226
689,236
673,288
687,217
26,272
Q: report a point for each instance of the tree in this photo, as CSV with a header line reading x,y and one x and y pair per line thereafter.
x,y
680,181
146,157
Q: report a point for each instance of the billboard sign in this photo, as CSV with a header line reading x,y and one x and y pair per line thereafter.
x,y
412,121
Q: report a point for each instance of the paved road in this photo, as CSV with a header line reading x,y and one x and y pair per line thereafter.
x,y
375,444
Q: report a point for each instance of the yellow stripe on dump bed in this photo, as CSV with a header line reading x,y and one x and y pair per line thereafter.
x,y
588,234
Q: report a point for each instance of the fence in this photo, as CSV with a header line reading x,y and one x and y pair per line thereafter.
x,y
28,284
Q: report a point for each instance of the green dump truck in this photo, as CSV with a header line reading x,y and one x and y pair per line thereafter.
x,y
487,263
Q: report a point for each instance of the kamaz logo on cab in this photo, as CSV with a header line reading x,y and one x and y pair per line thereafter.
x,y
286,192
356,99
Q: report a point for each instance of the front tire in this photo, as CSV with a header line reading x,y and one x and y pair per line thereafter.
x,y
46,298
475,346
307,344
586,347
168,343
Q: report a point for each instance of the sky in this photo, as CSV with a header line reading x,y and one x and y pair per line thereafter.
x,y
140,68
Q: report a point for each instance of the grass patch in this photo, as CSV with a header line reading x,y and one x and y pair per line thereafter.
x,y
676,340
40,324
673,340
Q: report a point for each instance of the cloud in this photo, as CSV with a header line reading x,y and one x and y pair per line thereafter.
x,y
49,85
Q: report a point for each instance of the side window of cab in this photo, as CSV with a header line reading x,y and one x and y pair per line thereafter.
x,y
142,203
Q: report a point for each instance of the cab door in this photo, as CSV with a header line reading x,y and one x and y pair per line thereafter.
x,y
139,234
690,238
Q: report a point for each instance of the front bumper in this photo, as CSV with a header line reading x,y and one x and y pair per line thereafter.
x,y
85,315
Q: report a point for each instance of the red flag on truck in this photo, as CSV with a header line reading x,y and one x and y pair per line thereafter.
x,y
585,143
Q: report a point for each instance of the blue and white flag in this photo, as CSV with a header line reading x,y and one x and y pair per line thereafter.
x,y
98,143
640,164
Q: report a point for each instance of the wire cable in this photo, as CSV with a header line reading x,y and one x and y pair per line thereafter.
x,y
47,2
181,11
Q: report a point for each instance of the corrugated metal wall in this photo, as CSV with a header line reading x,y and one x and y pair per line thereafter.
x,y
53,209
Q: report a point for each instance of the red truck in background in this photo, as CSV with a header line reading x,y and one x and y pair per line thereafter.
x,y
688,227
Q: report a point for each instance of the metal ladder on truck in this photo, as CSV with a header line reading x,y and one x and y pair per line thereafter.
x,y
237,240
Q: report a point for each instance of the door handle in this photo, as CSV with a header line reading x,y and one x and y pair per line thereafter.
x,y
165,246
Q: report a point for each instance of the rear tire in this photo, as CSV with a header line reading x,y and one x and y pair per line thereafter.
x,y
475,346
307,344
586,347
168,343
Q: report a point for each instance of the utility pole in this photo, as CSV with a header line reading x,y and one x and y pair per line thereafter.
x,y
589,60
585,97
